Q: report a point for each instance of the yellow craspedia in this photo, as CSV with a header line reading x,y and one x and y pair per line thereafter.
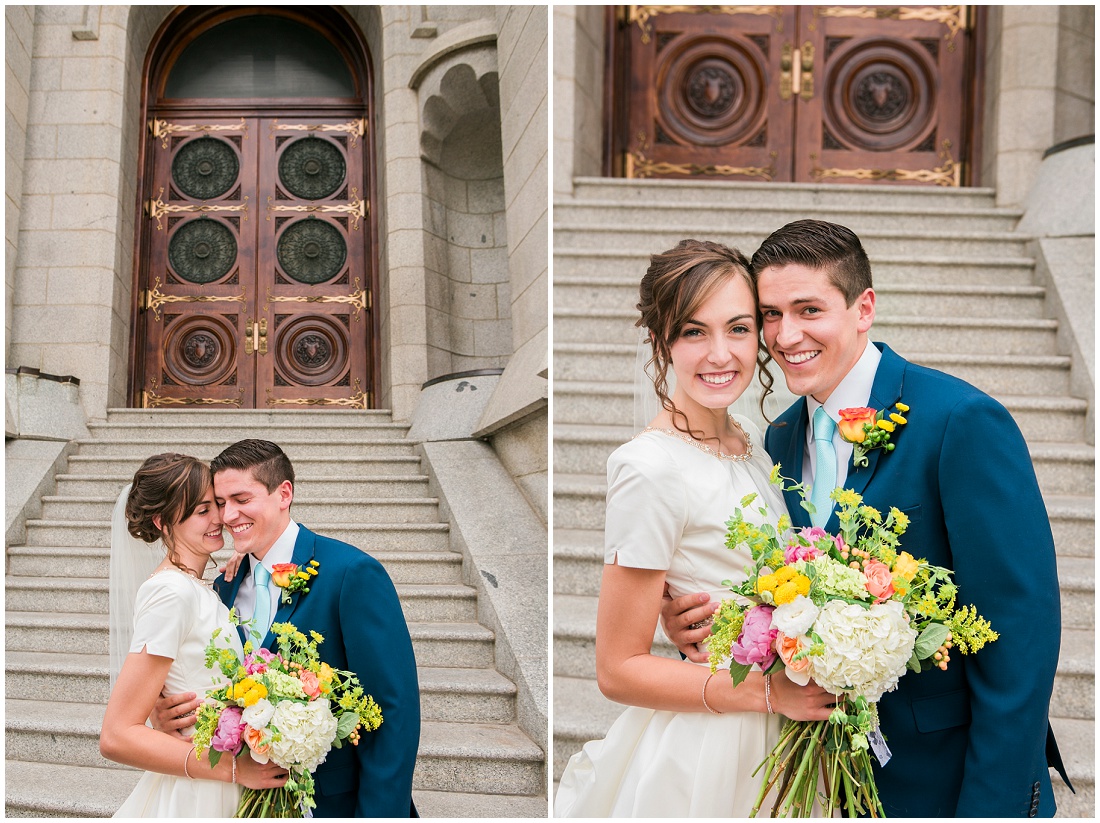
x,y
785,573
902,407
766,583
885,425
897,418
906,566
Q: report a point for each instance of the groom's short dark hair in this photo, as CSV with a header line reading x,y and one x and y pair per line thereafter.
x,y
833,248
267,462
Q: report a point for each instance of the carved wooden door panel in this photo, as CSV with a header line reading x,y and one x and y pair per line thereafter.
x,y
254,264
796,93
703,98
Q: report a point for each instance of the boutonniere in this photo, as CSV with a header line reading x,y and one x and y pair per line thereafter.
x,y
290,579
868,429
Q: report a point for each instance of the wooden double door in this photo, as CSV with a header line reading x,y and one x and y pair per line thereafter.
x,y
255,262
795,93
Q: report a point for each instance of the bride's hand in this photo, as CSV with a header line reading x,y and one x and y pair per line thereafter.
x,y
253,775
809,702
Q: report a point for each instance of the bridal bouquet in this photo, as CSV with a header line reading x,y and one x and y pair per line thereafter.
x,y
853,613
286,707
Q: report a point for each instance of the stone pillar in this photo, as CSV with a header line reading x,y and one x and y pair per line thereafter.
x,y
18,40
578,94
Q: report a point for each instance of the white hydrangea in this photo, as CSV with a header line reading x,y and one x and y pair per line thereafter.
x,y
284,685
258,714
795,618
306,732
865,650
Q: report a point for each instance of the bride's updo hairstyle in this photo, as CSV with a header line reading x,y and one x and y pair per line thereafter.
x,y
170,486
675,285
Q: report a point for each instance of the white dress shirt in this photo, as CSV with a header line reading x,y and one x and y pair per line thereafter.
x,y
282,551
854,391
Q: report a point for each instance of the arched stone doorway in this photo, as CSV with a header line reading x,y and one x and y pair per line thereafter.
x,y
256,262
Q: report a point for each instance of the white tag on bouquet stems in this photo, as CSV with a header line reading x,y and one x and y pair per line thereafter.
x,y
878,746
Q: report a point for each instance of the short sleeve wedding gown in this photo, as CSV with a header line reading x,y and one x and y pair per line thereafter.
x,y
174,616
667,505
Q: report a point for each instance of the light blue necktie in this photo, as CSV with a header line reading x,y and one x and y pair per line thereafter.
x,y
261,614
825,473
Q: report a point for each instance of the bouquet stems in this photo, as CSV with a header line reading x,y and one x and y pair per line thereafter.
x,y
279,802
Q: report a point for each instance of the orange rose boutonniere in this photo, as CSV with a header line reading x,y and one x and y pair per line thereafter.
x,y
868,429
290,579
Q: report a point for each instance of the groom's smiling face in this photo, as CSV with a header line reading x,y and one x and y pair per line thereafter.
x,y
255,516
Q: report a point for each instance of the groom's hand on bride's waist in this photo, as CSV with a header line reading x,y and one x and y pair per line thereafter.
x,y
173,712
686,622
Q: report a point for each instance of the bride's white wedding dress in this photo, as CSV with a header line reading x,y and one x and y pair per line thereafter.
x,y
667,505
175,616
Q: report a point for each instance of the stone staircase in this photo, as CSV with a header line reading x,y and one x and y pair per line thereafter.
x,y
956,291
358,480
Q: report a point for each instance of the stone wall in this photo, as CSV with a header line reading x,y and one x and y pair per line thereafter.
x,y
578,94
18,42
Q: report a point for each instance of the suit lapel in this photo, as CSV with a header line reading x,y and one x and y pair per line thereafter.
x,y
228,591
885,392
792,458
303,553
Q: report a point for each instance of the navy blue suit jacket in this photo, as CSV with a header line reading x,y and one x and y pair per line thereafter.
x,y
352,603
971,741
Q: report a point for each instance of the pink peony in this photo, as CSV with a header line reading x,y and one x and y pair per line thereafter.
x,y
254,665
756,643
880,580
227,737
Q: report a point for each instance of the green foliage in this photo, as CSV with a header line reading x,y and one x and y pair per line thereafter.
x,y
725,630
969,630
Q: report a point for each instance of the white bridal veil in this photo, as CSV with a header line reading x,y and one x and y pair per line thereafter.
x,y
132,561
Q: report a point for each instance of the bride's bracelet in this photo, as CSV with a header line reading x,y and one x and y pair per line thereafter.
x,y
187,757
705,704
234,761
768,693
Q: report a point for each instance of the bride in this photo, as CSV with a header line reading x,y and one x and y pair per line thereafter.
x,y
175,612
689,742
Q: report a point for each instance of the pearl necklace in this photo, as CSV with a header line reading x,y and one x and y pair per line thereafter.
x,y
737,458
201,581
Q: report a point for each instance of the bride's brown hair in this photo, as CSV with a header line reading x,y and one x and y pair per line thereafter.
x,y
675,285
169,487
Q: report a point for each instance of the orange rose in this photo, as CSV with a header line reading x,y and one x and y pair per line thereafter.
x,y
282,572
257,744
852,422
787,648
880,580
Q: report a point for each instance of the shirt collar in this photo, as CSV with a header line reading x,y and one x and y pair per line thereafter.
x,y
855,389
281,551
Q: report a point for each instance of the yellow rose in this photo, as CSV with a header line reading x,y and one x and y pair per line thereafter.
x,y
906,567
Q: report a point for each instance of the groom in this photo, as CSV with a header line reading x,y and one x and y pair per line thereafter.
x,y
974,740
351,602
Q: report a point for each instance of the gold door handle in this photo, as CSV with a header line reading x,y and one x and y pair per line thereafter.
x,y
249,338
785,78
261,329
807,61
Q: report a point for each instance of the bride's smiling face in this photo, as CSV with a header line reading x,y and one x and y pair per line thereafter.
x,y
714,354
201,531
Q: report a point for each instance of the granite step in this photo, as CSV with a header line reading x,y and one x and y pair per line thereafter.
x,y
88,595
903,334
956,300
307,508
306,487
449,695
205,448
431,537
251,419
749,195
187,430
91,792
336,468
443,645
613,234
64,561
768,215
452,756
887,267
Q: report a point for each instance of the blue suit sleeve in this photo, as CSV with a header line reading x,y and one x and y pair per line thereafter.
x,y
1004,563
379,651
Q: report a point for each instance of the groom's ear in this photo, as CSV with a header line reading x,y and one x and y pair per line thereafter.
x,y
286,494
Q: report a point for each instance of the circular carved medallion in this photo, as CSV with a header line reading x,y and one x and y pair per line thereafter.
x,y
312,251
311,350
199,350
205,168
881,95
202,250
710,91
312,168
